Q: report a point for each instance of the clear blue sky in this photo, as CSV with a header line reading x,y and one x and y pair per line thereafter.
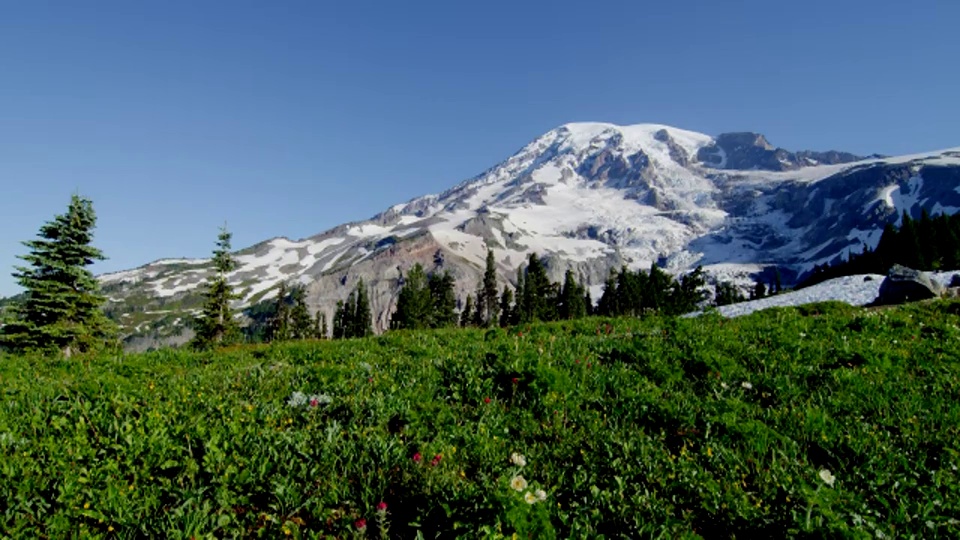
x,y
287,118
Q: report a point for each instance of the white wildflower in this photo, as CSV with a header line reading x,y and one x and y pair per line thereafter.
x,y
320,399
530,498
724,385
518,483
541,495
827,477
365,366
746,385
518,459
297,399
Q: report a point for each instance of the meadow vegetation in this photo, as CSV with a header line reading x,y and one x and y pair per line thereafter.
x,y
823,420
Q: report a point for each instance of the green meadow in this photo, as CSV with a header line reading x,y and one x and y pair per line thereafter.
x,y
819,421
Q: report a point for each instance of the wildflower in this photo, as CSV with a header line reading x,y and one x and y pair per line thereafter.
x,y
518,459
417,457
365,366
516,380
518,483
360,524
86,506
541,495
486,400
297,399
724,385
746,385
381,506
827,477
530,498
314,402
436,460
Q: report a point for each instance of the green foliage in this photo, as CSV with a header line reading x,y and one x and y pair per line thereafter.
x,y
571,303
443,300
216,325
487,296
352,319
727,293
61,308
278,328
826,420
655,291
467,314
415,303
930,243
302,324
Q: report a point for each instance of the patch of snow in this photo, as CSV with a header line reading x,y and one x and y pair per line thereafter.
x,y
852,290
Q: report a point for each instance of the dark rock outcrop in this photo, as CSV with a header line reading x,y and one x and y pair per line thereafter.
x,y
904,284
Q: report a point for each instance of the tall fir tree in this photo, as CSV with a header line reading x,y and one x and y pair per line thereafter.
x,y
278,327
571,302
415,303
443,298
216,324
302,324
488,295
320,325
506,307
466,315
62,309
340,320
362,319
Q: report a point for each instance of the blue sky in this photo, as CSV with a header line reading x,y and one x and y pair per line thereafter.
x,y
288,118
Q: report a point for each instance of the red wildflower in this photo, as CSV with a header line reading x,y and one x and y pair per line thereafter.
x,y
314,402
417,457
436,460
360,524
516,380
486,400
381,506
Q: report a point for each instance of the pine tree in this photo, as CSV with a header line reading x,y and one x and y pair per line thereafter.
x,y
443,299
302,325
536,292
571,302
362,320
320,325
62,308
726,294
278,328
608,305
216,324
414,304
759,291
466,315
506,307
487,297
340,320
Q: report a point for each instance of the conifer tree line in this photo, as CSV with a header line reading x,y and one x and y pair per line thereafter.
x,y
536,298
928,243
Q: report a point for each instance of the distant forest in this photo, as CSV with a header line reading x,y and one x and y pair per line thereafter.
x,y
928,243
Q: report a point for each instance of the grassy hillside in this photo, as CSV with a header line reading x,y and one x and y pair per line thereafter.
x,y
823,420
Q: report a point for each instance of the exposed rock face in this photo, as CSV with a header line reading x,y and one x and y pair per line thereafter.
x,y
590,197
752,151
904,284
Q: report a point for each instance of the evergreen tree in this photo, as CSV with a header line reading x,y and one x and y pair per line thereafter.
x,y
302,324
443,299
536,292
216,324
362,320
488,296
340,320
608,305
479,308
727,293
687,293
506,307
278,328
320,325
415,303
62,306
466,316
571,303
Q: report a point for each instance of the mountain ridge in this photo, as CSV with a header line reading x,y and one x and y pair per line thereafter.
x,y
590,196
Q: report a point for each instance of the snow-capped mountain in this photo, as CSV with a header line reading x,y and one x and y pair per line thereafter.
x,y
588,196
